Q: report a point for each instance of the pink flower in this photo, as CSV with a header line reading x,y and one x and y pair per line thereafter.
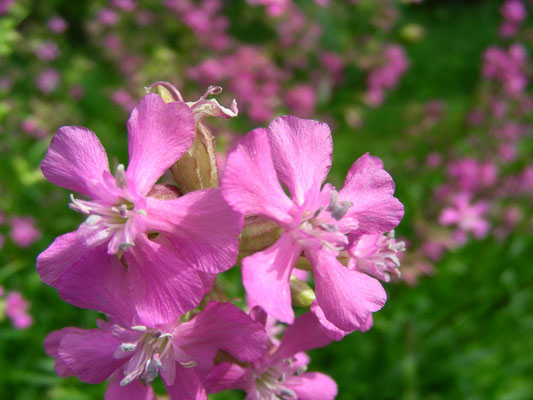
x,y
274,7
5,5
131,354
107,17
301,100
124,5
47,51
467,217
281,373
315,221
514,11
169,245
376,255
23,231
57,24
17,310
48,80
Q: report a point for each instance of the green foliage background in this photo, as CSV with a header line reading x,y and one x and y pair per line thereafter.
x,y
464,333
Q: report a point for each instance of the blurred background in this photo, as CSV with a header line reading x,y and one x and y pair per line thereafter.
x,y
439,89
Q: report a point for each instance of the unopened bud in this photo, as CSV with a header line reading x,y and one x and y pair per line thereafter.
x,y
302,294
258,234
412,33
215,294
197,168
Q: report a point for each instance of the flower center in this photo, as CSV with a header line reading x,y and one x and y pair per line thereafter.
x,y
115,219
270,383
321,227
151,349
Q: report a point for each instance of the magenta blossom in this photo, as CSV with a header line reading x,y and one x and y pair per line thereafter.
x,y
131,354
281,373
317,222
169,245
23,231
467,217
17,310
376,255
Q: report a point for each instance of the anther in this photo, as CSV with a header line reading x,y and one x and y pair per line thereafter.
x,y
333,201
140,328
188,364
125,246
120,176
127,347
93,219
157,361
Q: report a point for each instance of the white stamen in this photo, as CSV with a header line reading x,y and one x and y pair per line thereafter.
x,y
127,347
120,176
140,328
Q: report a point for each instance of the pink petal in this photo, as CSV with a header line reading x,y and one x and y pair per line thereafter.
x,y
305,334
163,286
202,226
98,282
158,134
59,256
76,160
51,346
301,150
347,297
364,162
223,326
89,354
266,274
187,385
328,328
250,183
313,386
226,376
374,207
132,391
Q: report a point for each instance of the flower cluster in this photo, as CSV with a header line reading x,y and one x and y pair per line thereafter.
x,y
487,178
148,253
15,307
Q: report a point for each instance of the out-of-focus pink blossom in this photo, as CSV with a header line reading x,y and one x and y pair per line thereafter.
x,y
205,18
107,17
17,310
469,174
393,64
124,99
30,127
5,5
507,153
48,80
514,13
334,64
274,7
434,159
467,216
23,231
507,67
301,100
124,5
47,51
77,92
57,24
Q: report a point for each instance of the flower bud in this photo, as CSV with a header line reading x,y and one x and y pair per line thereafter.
x,y
302,294
412,33
258,234
197,168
